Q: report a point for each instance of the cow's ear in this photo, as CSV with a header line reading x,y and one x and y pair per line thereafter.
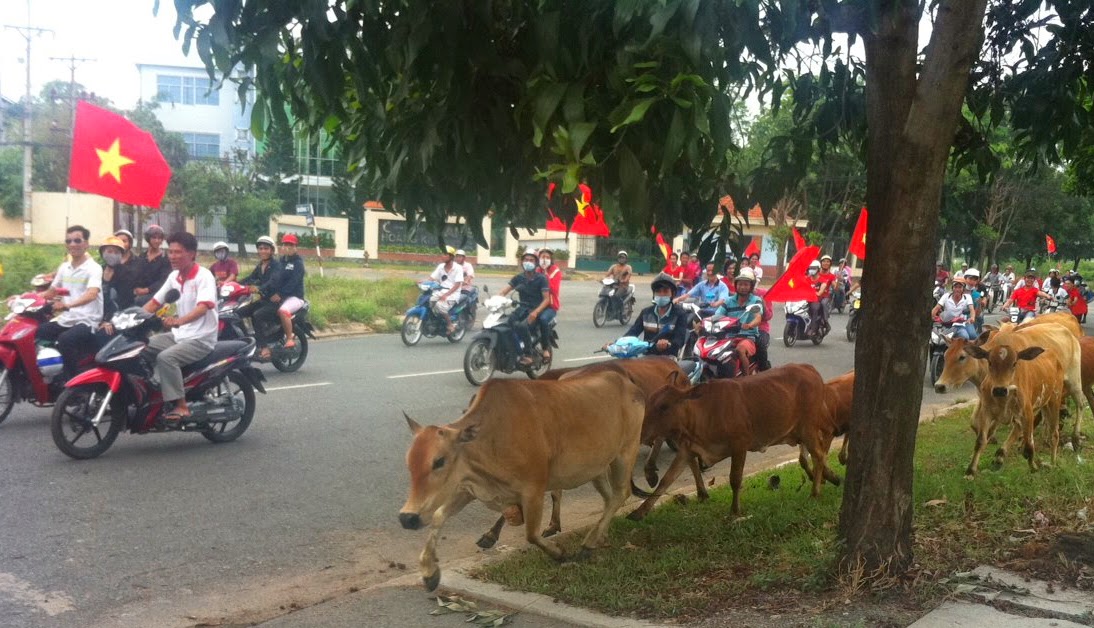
x,y
1030,353
990,328
673,376
414,427
983,337
947,340
695,392
468,434
976,352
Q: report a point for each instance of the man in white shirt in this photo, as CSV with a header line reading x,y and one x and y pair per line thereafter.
x,y
81,310
754,264
194,327
954,306
450,275
468,270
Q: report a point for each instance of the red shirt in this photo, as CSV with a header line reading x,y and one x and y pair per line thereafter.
x,y
554,281
673,270
691,273
1026,298
1080,306
826,280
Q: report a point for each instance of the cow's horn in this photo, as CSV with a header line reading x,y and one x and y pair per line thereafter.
x,y
414,427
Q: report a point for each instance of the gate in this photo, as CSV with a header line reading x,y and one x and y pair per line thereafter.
x,y
598,254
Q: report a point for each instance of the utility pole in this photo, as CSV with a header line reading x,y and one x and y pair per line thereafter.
x,y
28,32
73,61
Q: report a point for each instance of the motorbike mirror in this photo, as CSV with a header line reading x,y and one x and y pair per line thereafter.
x,y
754,308
171,296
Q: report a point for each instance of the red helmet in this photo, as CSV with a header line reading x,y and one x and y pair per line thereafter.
x,y
290,238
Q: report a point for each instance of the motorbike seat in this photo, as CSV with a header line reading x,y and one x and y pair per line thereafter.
x,y
223,349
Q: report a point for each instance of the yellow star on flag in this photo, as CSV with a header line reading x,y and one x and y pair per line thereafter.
x,y
790,283
112,160
581,204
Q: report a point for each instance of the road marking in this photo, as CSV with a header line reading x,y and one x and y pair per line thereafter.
x,y
424,374
50,602
592,357
298,386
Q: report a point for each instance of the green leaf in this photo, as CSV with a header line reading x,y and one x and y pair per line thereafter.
x,y
258,118
546,102
579,134
674,141
638,111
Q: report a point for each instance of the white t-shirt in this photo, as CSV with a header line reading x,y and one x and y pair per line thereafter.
x,y
198,286
952,310
1022,284
468,271
448,278
78,280
758,271
1008,278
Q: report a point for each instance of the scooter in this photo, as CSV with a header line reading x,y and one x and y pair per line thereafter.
x,y
120,393
854,303
612,306
234,326
941,335
421,320
498,346
716,348
797,322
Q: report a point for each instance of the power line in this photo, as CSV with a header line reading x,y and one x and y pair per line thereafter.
x,y
29,33
73,61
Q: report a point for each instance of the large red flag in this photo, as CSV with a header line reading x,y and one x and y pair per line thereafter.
x,y
115,158
799,241
661,244
589,219
753,247
858,239
1051,244
794,284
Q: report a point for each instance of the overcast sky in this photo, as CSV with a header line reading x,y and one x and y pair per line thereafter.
x,y
118,34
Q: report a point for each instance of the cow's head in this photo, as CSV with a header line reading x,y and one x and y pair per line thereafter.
x,y
958,366
666,406
1002,363
433,454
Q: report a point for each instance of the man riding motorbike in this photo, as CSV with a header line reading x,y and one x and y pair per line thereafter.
x,y
290,292
621,271
80,311
818,310
1025,296
449,275
979,297
663,324
737,307
711,293
264,281
225,269
954,306
553,273
534,294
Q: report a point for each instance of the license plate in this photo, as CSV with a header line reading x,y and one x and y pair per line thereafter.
x,y
857,301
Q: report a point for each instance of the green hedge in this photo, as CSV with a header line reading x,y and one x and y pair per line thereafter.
x,y
24,261
379,304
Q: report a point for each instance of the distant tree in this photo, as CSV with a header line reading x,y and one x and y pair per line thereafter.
x,y
11,181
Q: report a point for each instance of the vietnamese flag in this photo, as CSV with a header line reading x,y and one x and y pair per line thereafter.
x,y
794,284
750,249
115,158
661,244
799,241
858,239
1051,244
589,219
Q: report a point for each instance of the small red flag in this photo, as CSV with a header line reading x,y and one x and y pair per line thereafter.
x,y
753,247
799,241
661,244
858,239
794,284
1051,244
589,219
115,158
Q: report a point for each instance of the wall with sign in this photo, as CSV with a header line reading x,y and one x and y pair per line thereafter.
x,y
339,227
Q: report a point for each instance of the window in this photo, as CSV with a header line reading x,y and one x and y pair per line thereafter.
x,y
186,90
202,145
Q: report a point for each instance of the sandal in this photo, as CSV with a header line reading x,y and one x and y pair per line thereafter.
x,y
526,361
265,354
290,343
174,417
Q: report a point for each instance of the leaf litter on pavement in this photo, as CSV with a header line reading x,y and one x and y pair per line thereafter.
x,y
483,617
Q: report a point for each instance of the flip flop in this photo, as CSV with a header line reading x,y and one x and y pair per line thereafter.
x,y
174,417
526,361
290,344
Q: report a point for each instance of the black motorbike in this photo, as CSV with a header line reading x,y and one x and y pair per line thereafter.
x,y
612,306
854,304
497,346
235,323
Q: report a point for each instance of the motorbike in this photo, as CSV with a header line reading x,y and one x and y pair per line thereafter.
x,y
120,393
29,370
995,296
797,322
498,346
939,290
694,322
839,295
941,333
612,306
234,326
716,348
421,320
854,303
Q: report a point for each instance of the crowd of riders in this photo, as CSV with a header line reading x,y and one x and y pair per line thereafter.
x,y
85,295
970,295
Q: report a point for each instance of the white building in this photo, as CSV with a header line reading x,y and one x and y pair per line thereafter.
x,y
212,122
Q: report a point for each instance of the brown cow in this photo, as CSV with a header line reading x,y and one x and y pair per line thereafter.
x,y
1018,384
1065,319
838,393
518,440
729,418
649,374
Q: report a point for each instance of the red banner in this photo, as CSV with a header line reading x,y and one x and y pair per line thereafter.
x,y
794,284
1051,244
799,241
753,247
115,158
589,219
858,239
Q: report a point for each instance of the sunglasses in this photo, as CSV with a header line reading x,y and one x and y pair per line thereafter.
x,y
74,240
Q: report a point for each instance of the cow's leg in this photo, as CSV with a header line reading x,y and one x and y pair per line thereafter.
x,y
810,471
1017,431
700,487
843,450
488,540
683,454
1027,438
1052,424
736,473
556,515
532,503
821,472
981,429
427,562
651,462
1075,389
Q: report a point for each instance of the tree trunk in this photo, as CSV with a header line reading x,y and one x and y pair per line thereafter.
x,y
911,124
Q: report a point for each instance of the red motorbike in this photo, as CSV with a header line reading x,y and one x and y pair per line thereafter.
x,y
120,392
29,371
716,348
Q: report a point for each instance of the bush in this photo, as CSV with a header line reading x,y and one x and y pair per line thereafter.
x,y
24,261
340,300
307,240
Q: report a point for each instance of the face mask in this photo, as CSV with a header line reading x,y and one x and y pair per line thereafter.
x,y
528,267
221,255
544,262
661,301
112,259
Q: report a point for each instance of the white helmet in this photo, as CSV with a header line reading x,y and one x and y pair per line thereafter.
x,y
814,264
972,272
220,245
745,274
825,257
622,254
460,252
267,240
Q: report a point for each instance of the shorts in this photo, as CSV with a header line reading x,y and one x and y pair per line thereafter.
x,y
748,345
291,305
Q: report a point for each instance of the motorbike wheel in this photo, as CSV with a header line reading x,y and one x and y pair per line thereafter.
x,y
291,363
538,372
790,334
937,364
626,313
71,426
852,328
412,330
7,394
234,385
461,328
478,361
600,313
817,338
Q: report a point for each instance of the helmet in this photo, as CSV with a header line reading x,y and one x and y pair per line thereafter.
x,y
112,241
1031,272
124,232
663,281
972,272
220,245
529,252
746,274
461,252
153,231
545,250
622,254
826,257
290,238
267,240
843,260
448,250
814,264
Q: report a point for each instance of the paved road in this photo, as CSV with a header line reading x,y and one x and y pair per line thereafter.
x,y
170,530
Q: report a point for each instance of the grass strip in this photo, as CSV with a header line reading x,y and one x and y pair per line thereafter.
x,y
379,303
687,561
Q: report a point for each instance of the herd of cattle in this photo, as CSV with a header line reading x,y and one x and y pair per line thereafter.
x,y
519,439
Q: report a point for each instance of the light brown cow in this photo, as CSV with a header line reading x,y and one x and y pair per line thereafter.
x,y
518,440
838,393
1019,383
728,418
1066,319
649,374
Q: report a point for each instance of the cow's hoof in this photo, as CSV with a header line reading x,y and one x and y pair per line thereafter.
x,y
550,531
432,581
651,477
970,474
486,541
996,465
681,499
637,515
702,497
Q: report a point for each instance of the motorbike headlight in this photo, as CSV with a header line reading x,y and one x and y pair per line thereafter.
x,y
124,320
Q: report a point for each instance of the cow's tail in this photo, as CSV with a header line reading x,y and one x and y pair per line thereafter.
x,y
637,492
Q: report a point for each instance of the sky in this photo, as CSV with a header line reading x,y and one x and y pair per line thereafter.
x,y
117,34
